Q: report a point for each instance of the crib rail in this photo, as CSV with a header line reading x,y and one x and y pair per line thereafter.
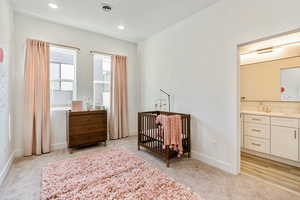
x,y
151,134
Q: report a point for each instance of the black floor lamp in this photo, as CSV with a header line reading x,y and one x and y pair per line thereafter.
x,y
168,98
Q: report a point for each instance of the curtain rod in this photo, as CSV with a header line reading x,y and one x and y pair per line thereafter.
x,y
104,53
66,46
61,45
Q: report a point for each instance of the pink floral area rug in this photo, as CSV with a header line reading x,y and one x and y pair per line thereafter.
x,y
114,174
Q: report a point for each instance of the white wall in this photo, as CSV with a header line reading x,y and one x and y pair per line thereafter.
x,y
196,60
28,27
6,80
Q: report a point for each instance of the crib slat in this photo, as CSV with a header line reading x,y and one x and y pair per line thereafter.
x,y
152,133
144,127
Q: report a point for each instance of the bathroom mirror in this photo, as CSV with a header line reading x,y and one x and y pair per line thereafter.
x,y
276,80
270,69
290,84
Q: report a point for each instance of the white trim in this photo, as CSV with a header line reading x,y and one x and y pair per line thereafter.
x,y
133,133
6,168
19,153
58,146
214,162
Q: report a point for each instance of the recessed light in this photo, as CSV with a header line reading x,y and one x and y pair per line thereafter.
x,y
53,5
121,27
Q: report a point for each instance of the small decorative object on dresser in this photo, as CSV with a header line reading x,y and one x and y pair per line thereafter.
x,y
76,106
86,128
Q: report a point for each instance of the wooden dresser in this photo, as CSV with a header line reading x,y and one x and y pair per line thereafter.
x,y
86,128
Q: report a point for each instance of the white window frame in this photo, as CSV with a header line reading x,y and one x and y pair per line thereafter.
x,y
74,96
64,80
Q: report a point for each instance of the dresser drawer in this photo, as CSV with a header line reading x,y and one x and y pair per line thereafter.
x,y
257,130
86,120
257,144
77,140
257,119
88,129
286,122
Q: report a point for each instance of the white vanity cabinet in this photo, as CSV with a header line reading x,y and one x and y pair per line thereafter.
x,y
285,138
242,130
257,133
272,135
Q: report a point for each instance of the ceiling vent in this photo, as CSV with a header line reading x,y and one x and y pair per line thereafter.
x,y
106,7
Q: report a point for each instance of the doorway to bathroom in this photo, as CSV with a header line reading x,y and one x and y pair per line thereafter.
x,y
270,110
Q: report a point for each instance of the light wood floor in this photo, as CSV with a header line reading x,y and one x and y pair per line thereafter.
x,y
271,171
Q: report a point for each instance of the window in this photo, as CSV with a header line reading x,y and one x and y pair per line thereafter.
x,y
102,75
62,76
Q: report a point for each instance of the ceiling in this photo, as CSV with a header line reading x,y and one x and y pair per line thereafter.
x,y
141,18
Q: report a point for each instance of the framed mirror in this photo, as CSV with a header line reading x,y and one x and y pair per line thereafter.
x,y
270,69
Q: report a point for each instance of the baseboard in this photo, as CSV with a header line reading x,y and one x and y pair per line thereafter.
x,y
133,133
19,153
6,168
58,146
214,162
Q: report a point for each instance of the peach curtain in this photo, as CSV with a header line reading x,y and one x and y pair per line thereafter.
x,y
37,99
118,111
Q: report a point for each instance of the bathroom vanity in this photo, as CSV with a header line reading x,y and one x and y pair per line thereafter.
x,y
271,135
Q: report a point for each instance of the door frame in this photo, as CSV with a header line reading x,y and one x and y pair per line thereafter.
x,y
238,114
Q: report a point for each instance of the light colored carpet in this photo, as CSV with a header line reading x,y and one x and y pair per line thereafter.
x,y
113,174
24,179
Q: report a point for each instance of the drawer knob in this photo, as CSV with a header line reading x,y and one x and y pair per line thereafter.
x,y
256,144
255,130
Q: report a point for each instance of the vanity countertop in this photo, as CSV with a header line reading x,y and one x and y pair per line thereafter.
x,y
274,114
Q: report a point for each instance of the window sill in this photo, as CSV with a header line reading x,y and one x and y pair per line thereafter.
x,y
66,108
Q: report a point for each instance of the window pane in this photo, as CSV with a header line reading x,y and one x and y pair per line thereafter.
x,y
55,85
54,71
67,72
106,63
102,68
101,92
66,86
97,67
62,55
62,75
61,98
102,74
